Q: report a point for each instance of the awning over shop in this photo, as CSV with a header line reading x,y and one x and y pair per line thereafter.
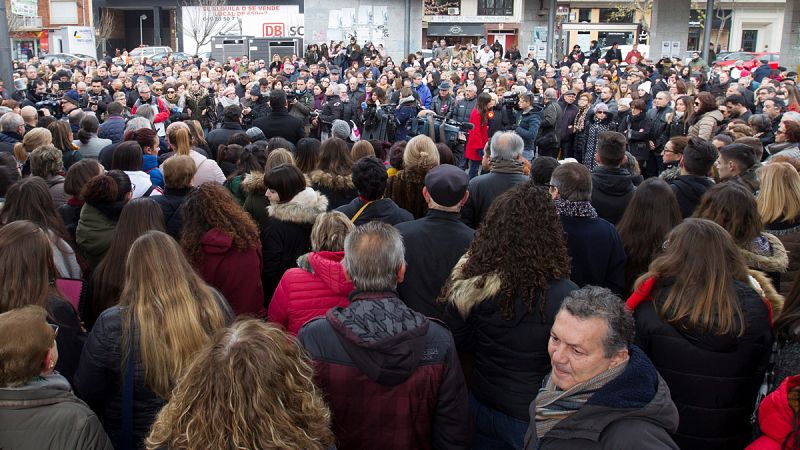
x,y
455,29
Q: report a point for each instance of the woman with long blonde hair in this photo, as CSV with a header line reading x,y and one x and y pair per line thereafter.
x,y
180,141
250,388
166,314
706,326
778,205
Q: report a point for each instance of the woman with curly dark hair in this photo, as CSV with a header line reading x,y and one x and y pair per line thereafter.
x,y
221,241
501,299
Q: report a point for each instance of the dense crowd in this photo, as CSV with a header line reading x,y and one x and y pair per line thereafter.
x,y
476,250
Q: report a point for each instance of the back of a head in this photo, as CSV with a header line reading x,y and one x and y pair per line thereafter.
x,y
277,99
136,123
46,161
33,139
111,187
25,339
179,171
593,302
114,109
370,178
62,135
146,111
180,140
374,254
279,142
611,148
420,153
232,113
26,258
743,155
734,208
335,157
10,122
128,157
89,126
699,156
779,197
542,169
329,232
506,146
574,182
361,149
340,129
307,154
277,157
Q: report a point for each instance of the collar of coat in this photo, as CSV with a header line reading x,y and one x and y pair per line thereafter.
x,y
777,262
331,181
302,209
466,293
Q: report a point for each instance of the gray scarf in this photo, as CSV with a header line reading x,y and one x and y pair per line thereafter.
x,y
554,405
575,209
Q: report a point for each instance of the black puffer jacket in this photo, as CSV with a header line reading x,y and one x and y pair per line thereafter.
x,y
170,204
713,379
511,356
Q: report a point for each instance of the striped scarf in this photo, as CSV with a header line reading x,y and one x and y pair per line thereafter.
x,y
554,405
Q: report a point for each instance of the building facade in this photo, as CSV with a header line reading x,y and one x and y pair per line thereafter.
x,y
31,23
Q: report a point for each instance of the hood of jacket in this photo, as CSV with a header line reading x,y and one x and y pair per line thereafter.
x,y
41,391
638,393
692,186
716,114
216,241
778,261
384,337
327,266
303,208
331,181
253,183
466,293
775,415
612,181
54,180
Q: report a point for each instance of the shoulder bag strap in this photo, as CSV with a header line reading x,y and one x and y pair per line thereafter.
x,y
127,401
353,219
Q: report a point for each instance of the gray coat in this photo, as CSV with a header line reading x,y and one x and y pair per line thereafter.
x,y
47,415
92,148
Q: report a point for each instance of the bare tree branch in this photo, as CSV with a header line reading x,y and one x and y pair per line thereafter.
x,y
201,21
104,27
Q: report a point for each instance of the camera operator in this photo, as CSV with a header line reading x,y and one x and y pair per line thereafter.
x,y
99,98
259,103
460,112
82,90
528,122
301,103
443,103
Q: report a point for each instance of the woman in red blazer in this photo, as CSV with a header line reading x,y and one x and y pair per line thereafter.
x,y
479,135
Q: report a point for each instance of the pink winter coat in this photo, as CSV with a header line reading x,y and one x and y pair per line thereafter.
x,y
310,290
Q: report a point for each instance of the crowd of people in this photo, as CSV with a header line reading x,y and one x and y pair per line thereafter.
x,y
272,254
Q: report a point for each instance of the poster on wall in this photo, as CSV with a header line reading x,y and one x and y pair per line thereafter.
x,y
365,15
348,17
380,15
247,20
441,7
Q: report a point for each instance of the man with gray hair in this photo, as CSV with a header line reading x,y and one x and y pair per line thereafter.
x,y
602,391
594,246
390,376
506,171
12,128
547,143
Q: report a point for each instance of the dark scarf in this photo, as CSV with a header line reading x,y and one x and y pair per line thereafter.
x,y
506,166
575,209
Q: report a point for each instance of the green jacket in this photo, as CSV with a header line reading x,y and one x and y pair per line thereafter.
x,y
94,234
45,414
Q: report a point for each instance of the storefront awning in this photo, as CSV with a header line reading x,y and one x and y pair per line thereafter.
x,y
455,29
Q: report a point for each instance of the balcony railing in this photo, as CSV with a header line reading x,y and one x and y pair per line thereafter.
x,y
26,22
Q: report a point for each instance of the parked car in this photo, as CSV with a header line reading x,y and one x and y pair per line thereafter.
x,y
66,58
142,53
749,59
773,60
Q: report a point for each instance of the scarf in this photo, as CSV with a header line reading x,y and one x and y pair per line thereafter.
x,y
580,119
554,405
225,102
506,166
575,209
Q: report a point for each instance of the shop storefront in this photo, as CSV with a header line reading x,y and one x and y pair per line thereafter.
x,y
453,33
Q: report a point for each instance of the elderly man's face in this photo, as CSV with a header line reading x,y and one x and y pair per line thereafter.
x,y
576,350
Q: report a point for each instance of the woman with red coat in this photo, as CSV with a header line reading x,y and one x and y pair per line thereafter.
x,y
778,417
319,282
479,135
221,241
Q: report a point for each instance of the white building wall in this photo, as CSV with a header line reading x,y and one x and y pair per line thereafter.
x,y
767,18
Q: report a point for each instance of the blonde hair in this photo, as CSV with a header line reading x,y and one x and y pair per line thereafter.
x,y
252,387
779,198
173,310
361,149
33,139
180,140
420,152
277,157
329,232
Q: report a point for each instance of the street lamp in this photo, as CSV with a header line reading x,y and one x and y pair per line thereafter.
x,y
141,33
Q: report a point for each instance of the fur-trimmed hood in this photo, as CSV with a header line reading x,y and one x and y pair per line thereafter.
x,y
253,183
303,208
777,262
331,181
762,284
466,293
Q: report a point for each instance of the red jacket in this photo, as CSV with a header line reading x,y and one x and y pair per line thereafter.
x,y
235,273
306,292
162,113
776,418
477,137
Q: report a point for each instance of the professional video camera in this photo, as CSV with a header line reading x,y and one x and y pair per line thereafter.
x,y
440,129
50,101
511,100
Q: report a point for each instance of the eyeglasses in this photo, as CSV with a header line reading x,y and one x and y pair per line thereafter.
x,y
600,112
157,89
55,328
170,91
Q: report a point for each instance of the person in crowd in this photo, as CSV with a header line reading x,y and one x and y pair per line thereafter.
x,y
738,163
478,135
361,149
179,171
440,232
566,128
778,204
206,169
500,310
113,127
370,179
107,154
699,156
706,117
356,357
221,241
149,142
671,157
405,188
12,129
279,122
108,279
231,125
595,248
333,174
307,155
128,158
88,143
703,321
319,282
787,141
229,398
601,120
287,233
26,259
734,208
678,120
506,171
47,164
77,176
777,415
37,406
547,143
104,197
62,140
602,391
33,139
612,186
643,234
138,349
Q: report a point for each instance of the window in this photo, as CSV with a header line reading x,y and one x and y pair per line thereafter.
x,y
612,15
749,39
63,12
585,15
495,7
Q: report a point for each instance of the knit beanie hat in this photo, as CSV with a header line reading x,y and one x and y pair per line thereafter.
x,y
340,129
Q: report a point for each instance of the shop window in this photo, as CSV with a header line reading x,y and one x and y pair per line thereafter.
x,y
614,15
584,15
495,7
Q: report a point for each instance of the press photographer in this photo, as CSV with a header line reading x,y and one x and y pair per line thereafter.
x,y
528,121
99,98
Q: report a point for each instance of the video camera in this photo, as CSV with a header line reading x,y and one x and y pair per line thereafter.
x,y
52,102
440,129
511,100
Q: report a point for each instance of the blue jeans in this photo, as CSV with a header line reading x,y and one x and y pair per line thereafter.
x,y
474,168
495,430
